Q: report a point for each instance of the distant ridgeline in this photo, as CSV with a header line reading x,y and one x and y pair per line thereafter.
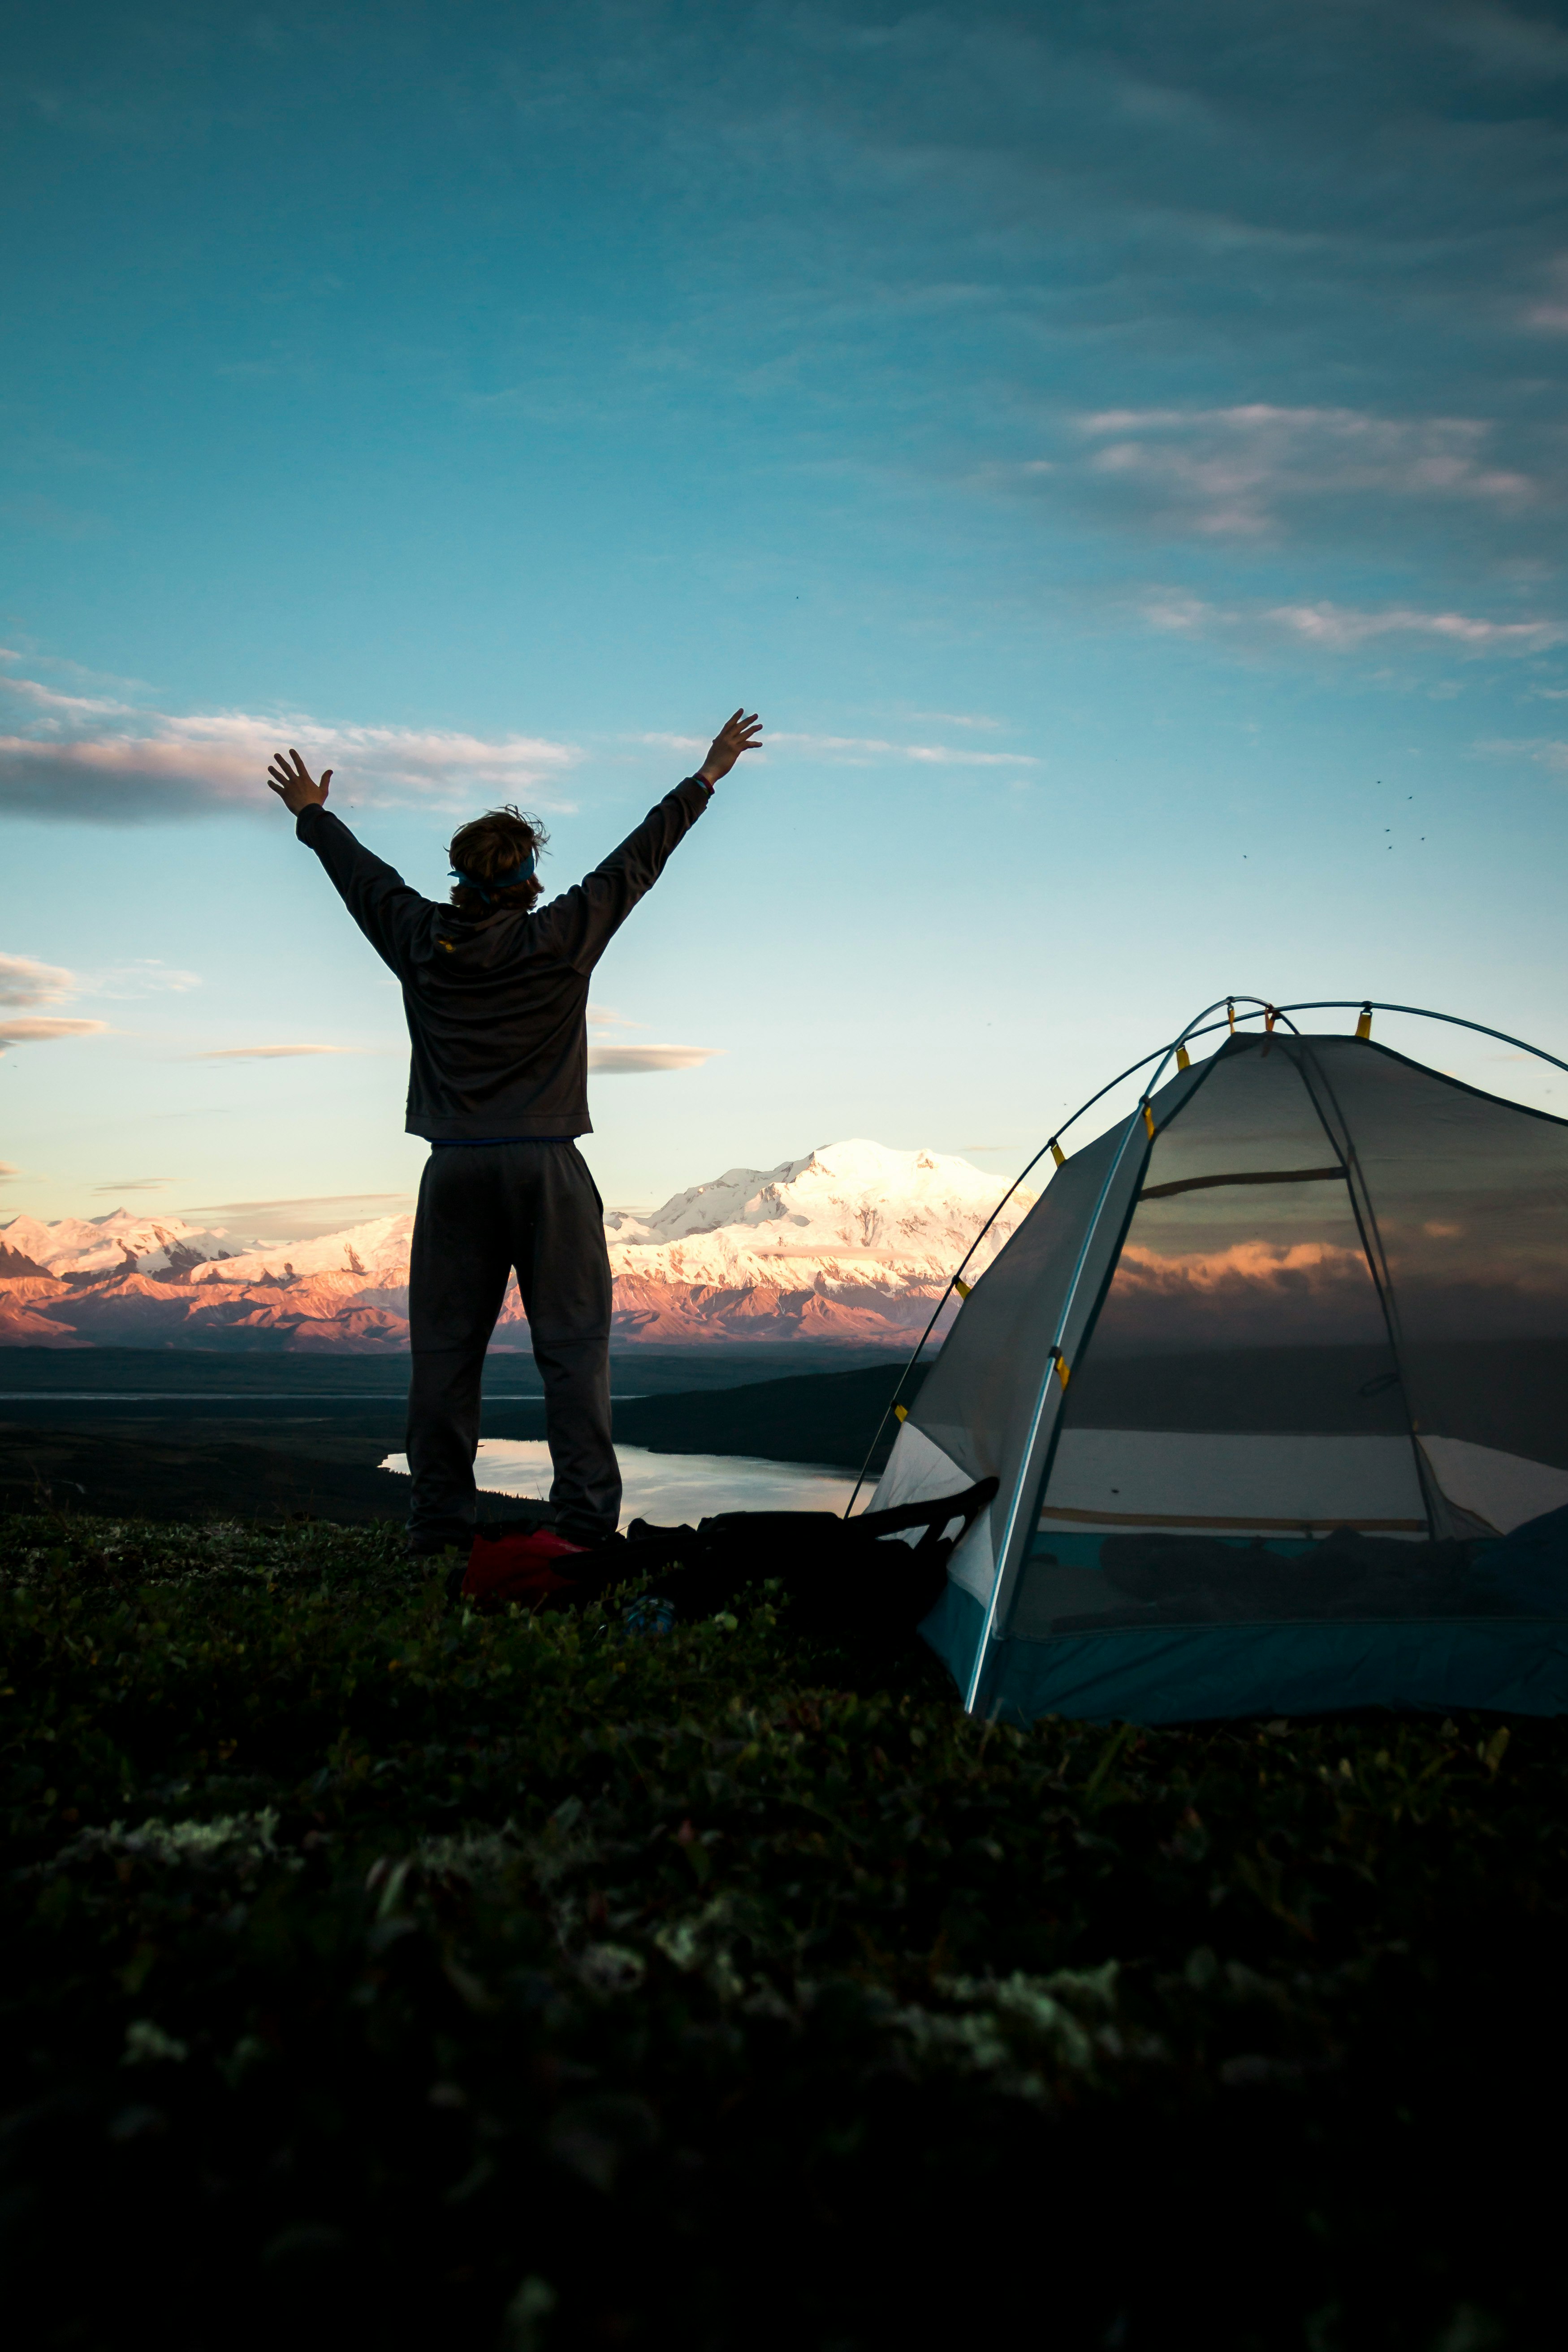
x,y
852,1245
186,1432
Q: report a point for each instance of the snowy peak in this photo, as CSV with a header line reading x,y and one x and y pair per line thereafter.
x,y
856,1195
376,1252
119,1243
703,1208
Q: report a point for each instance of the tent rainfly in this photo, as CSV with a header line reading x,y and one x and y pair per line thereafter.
x,y
1273,1379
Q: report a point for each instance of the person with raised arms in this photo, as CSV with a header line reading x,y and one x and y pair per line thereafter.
x,y
495,989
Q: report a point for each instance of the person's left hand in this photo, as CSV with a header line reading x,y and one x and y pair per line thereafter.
x,y
295,786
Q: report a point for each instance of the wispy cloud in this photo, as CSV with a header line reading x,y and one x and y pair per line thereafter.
x,y
1343,628
300,1219
1545,751
24,981
953,719
861,748
292,1201
1233,472
1552,314
135,1184
41,1033
268,1053
35,659
627,1061
94,758
142,976
865,748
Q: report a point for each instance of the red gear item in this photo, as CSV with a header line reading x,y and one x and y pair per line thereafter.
x,y
522,1568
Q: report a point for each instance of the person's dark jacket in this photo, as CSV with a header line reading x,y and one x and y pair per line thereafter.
x,y
496,1003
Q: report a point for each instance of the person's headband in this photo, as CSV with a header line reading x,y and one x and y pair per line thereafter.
x,y
521,873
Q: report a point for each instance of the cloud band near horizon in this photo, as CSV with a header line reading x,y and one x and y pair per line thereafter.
x,y
79,759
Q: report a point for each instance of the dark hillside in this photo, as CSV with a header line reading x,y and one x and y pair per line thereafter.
x,y
829,1417
374,1975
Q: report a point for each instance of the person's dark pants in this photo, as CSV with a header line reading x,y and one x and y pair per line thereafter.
x,y
485,1209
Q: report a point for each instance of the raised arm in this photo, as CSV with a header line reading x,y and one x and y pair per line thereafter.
x,y
580,923
388,911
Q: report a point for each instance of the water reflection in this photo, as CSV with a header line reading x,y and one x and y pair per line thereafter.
x,y
668,1488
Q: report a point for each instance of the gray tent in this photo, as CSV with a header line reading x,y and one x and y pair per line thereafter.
x,y
1264,1376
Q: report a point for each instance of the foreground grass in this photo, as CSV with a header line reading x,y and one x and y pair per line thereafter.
x,y
377,1975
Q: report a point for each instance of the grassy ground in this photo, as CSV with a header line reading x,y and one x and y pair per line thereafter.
x,y
374,1975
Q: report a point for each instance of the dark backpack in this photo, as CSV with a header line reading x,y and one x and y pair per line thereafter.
x,y
843,1579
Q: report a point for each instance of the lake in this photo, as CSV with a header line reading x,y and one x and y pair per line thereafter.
x,y
669,1489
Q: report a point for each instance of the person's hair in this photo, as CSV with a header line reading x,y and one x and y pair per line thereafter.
x,y
495,844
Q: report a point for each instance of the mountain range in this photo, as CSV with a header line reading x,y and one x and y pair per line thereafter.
x,y
853,1243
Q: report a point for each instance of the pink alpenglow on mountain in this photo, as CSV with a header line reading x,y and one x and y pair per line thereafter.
x,y
854,1243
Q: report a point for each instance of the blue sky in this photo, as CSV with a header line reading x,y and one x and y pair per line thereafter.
x,y
1120,450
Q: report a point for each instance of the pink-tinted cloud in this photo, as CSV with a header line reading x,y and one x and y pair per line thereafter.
x,y
41,1033
268,1053
1311,1264
86,757
24,981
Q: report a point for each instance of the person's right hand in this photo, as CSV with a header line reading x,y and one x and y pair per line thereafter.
x,y
738,734
295,786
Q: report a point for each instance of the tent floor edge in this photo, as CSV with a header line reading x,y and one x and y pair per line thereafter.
x,y
1171,1675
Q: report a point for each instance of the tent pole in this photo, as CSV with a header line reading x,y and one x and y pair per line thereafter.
x,y
1425,1012
1024,1484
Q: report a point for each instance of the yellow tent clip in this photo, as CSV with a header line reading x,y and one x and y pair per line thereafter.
x,y
1149,1121
1057,1154
1364,1026
1064,1372
900,1413
1183,1059
963,1288
1230,1013
1270,1018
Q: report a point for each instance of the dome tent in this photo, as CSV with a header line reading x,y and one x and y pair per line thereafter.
x,y
1264,1376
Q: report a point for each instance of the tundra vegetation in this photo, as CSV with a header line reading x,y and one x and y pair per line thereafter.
x,y
376,1973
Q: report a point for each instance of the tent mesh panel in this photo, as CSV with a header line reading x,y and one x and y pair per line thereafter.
x,y
1332,1347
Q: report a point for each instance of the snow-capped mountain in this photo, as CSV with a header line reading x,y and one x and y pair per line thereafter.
x,y
853,1243
848,1197
116,1243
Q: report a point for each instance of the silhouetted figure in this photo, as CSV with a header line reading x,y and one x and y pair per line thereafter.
x,y
495,989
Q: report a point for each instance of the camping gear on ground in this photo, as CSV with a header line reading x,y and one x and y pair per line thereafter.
x,y
842,1581
528,1563
1262,1377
